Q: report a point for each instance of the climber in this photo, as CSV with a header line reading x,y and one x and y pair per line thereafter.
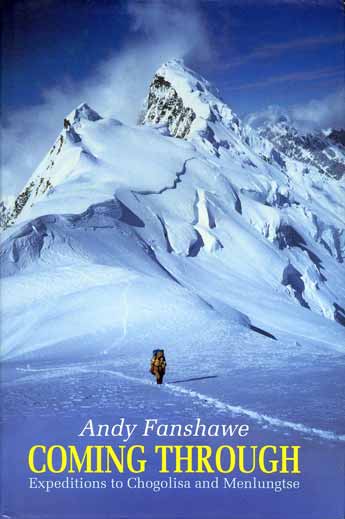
x,y
158,365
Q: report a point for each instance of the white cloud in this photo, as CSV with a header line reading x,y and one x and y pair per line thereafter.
x,y
270,115
328,112
116,88
317,114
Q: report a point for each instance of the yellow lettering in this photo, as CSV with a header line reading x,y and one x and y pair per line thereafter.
x,y
163,450
262,461
203,458
141,462
75,459
232,459
31,457
294,459
241,451
63,459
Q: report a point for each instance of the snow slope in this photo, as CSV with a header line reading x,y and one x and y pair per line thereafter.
x,y
194,232
188,227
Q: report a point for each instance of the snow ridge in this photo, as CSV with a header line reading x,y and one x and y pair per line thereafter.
x,y
235,220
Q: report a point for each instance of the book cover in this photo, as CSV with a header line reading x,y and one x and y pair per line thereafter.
x,y
172,259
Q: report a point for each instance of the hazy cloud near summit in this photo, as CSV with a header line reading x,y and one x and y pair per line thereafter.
x,y
161,31
328,112
325,113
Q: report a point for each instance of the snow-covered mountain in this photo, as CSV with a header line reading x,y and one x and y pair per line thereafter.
x,y
323,150
189,227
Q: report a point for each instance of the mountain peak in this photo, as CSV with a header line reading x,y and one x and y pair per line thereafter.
x,y
176,70
83,111
185,102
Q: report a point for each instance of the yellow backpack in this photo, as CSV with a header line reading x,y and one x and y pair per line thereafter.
x,y
158,359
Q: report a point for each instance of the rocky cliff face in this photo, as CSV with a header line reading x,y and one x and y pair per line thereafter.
x,y
164,105
326,153
186,103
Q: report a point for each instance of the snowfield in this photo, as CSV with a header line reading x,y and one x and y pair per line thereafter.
x,y
207,224
192,232
128,238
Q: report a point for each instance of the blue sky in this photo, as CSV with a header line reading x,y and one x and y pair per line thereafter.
x,y
58,53
258,53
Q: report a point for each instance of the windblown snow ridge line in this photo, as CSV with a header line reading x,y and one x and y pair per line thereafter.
x,y
177,180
